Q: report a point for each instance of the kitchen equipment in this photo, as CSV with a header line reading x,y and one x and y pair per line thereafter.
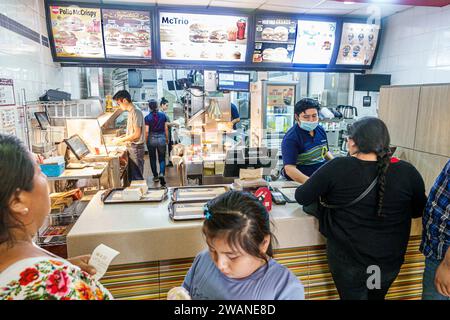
x,y
336,113
348,112
326,113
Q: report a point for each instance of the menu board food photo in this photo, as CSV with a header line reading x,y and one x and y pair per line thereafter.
x,y
315,42
203,37
358,44
274,40
77,32
127,33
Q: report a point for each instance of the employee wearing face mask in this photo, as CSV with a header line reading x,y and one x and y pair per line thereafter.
x,y
305,146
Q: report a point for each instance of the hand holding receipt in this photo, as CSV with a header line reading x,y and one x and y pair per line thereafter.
x,y
101,258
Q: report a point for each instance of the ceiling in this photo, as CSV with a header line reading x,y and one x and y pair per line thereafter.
x,y
325,7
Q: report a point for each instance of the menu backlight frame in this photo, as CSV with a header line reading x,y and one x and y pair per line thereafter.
x,y
212,11
377,46
105,61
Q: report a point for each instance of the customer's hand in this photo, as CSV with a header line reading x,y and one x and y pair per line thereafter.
x,y
442,278
83,263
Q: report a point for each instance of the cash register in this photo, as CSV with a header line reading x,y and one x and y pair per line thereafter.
x,y
79,149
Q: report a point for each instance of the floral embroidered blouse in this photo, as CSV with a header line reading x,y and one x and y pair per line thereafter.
x,y
42,278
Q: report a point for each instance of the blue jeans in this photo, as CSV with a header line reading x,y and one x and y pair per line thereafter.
x,y
157,145
136,154
429,291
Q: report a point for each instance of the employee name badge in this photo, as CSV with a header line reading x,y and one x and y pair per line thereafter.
x,y
101,258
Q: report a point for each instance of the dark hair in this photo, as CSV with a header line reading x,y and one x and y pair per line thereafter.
x,y
17,172
371,135
242,219
122,94
164,101
305,104
153,105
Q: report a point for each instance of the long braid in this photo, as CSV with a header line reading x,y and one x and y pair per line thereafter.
x,y
383,160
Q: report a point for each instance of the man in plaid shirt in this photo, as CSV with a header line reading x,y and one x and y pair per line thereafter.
x,y
436,239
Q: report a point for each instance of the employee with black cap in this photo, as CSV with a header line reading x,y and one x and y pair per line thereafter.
x,y
305,146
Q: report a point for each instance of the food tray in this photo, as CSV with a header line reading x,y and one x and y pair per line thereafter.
x,y
186,210
288,194
113,196
198,193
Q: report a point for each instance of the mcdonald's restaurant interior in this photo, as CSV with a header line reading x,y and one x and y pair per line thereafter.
x,y
146,116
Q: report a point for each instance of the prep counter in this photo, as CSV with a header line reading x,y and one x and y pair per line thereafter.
x,y
156,252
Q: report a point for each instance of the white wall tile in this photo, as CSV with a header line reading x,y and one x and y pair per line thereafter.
x,y
416,46
28,63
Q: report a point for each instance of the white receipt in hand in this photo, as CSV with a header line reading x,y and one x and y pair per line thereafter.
x,y
101,258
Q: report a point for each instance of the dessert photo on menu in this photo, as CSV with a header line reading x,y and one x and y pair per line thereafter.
x,y
203,37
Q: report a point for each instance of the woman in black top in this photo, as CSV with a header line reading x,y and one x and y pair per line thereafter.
x,y
367,241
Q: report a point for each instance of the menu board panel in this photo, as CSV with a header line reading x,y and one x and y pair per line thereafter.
x,y
203,37
274,40
127,33
358,44
77,32
315,42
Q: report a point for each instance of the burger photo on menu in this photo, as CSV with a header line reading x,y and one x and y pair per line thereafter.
x,y
65,39
128,41
198,33
143,38
72,23
218,36
278,54
94,44
281,34
112,37
267,34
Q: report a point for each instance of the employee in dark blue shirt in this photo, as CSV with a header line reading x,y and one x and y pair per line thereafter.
x,y
235,117
305,146
157,140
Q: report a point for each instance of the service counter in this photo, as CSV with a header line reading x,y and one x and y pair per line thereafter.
x,y
156,252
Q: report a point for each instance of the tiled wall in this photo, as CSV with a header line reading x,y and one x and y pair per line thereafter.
x,y
24,53
415,46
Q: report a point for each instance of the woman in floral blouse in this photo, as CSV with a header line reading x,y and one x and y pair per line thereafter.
x,y
27,271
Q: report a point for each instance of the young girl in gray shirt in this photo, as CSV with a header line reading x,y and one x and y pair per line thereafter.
x,y
238,264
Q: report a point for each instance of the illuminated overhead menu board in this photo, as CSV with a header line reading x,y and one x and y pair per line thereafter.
x,y
203,37
358,44
315,42
127,33
274,40
77,32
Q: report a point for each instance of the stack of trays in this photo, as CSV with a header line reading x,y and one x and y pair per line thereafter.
x,y
187,202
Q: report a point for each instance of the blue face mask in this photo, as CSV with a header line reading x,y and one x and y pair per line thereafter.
x,y
308,126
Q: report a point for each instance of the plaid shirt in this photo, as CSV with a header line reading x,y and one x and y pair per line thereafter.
x,y
436,218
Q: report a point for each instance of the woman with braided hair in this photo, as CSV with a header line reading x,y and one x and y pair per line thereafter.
x,y
368,200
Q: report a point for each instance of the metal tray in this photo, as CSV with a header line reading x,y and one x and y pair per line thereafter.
x,y
288,197
113,196
186,210
197,193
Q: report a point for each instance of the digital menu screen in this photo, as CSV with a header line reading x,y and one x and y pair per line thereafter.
x,y
274,40
315,42
234,81
77,32
358,44
203,37
127,33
